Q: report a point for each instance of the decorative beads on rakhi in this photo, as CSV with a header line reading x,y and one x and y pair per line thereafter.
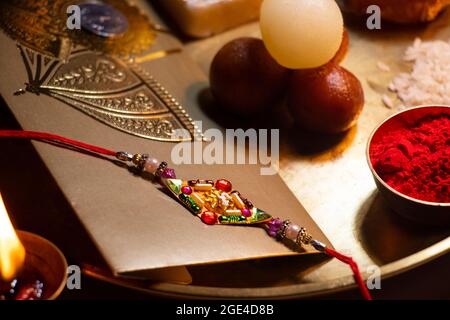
x,y
282,231
209,217
198,199
143,162
183,197
139,160
194,182
247,202
168,173
174,185
162,166
292,231
189,203
223,185
151,165
186,190
274,227
201,185
225,200
233,212
288,230
232,219
218,201
235,195
303,237
246,212
201,196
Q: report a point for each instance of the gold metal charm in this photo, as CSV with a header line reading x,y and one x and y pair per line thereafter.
x,y
41,25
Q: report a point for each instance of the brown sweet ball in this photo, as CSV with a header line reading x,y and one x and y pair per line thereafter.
x,y
343,49
328,99
245,79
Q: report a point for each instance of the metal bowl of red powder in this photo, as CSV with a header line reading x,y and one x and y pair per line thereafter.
x,y
409,156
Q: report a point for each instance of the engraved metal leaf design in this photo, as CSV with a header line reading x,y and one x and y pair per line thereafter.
x,y
111,91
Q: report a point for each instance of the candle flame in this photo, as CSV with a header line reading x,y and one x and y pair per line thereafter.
x,y
12,252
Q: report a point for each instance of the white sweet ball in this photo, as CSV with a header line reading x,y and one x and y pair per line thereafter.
x,y
301,34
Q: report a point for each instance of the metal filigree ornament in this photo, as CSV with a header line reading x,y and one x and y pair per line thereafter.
x,y
42,25
95,74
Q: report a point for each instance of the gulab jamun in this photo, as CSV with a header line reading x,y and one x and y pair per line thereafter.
x,y
245,79
327,99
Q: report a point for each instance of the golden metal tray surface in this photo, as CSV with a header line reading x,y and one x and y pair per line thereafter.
x,y
333,181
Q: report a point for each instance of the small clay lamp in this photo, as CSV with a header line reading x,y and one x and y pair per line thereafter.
x,y
31,267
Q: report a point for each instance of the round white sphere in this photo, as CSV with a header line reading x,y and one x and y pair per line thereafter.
x,y
301,34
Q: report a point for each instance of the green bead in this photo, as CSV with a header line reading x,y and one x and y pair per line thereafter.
x,y
192,202
195,208
183,197
232,219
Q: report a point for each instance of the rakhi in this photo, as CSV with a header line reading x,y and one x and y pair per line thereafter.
x,y
214,202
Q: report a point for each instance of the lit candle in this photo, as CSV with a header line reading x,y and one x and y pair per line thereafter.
x,y
12,252
14,282
31,267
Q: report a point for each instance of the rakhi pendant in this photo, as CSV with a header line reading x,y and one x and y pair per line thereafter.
x,y
214,202
217,203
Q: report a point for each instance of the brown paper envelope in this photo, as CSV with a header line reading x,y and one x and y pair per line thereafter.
x,y
134,225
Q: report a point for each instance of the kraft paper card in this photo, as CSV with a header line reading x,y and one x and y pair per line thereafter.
x,y
84,95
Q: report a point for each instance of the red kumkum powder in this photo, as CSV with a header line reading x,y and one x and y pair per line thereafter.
x,y
416,161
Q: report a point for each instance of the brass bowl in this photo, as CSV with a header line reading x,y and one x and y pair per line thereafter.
x,y
46,260
429,213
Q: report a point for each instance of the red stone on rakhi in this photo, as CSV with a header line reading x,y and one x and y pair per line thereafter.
x,y
223,185
209,217
186,190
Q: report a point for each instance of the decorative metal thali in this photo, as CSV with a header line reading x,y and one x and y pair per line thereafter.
x,y
334,183
330,177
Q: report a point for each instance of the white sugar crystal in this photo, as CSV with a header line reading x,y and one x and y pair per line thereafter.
x,y
429,80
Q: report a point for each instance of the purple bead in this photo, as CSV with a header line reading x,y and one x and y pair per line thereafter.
x,y
274,227
276,223
246,212
273,234
186,190
168,173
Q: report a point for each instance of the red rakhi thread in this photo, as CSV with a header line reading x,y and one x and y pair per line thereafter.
x,y
355,269
53,137
74,143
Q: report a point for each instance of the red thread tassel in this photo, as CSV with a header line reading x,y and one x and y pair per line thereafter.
x,y
54,137
356,273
